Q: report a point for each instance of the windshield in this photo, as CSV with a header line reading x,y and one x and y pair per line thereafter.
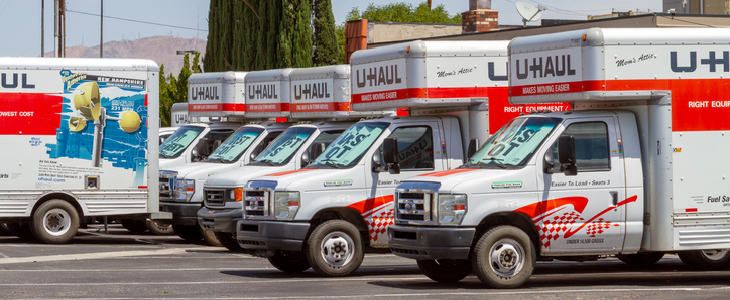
x,y
283,148
514,143
347,149
176,144
232,149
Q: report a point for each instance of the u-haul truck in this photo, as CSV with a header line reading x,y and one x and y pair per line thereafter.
x,y
76,136
319,100
181,190
215,108
327,215
638,169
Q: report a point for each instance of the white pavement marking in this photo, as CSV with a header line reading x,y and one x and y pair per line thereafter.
x,y
3,255
99,255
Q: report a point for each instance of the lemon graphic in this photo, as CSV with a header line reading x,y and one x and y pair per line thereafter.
x,y
130,121
87,100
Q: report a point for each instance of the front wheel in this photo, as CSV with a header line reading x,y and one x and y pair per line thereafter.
x,y
504,257
157,228
55,222
445,270
335,248
134,225
210,238
188,232
706,259
228,240
289,261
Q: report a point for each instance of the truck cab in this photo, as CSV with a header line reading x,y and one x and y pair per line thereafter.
x,y
194,142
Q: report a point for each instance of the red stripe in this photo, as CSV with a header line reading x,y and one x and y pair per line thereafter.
x,y
239,107
368,205
690,210
686,93
539,208
447,172
29,114
320,107
268,107
204,107
426,93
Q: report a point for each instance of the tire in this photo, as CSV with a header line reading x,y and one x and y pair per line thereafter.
x,y
158,229
228,240
713,260
445,270
21,230
136,226
289,261
55,222
210,238
188,232
334,248
4,230
504,257
641,259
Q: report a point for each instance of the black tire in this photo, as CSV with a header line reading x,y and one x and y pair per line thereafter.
x,y
188,232
21,230
158,229
4,229
712,260
445,270
504,257
334,248
641,259
289,261
210,238
228,240
55,222
136,226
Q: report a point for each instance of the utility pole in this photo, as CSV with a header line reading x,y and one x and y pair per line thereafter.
x,y
42,27
60,29
101,43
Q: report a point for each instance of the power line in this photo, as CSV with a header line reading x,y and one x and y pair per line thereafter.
x,y
137,21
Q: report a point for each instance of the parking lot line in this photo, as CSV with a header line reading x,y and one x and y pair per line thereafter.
x,y
84,256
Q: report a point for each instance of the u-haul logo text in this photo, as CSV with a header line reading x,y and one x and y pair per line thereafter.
x,y
262,91
377,76
540,67
712,61
319,90
10,81
205,93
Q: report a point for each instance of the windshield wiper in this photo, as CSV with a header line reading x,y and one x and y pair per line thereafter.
x,y
498,161
332,162
266,161
220,160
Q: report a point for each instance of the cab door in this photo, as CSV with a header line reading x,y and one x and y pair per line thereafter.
x,y
584,213
418,144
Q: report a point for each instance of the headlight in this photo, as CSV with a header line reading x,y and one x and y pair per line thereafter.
x,y
184,190
451,209
286,205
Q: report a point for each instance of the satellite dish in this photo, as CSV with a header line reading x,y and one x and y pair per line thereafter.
x,y
529,12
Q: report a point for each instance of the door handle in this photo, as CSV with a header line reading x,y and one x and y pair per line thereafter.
x,y
614,198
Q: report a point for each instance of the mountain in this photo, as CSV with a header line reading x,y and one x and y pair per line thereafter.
x,y
161,49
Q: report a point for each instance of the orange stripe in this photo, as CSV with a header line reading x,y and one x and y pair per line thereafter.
x,y
370,204
447,172
288,172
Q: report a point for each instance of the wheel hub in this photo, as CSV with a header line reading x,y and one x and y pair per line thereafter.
x,y
715,254
56,222
506,258
337,249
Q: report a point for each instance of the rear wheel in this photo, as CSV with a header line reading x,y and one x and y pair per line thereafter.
x,y
21,230
706,259
133,225
335,248
228,240
289,261
504,257
445,270
641,259
55,222
188,232
158,229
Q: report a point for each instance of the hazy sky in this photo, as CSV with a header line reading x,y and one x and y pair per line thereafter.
x,y
20,28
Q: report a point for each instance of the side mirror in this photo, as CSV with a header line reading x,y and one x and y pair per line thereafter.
x,y
473,148
314,151
377,160
200,151
566,155
548,163
390,155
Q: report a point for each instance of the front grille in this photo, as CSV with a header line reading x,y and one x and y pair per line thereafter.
x,y
215,197
252,243
167,185
414,206
408,252
255,203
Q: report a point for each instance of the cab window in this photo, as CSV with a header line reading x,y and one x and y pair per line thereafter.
x,y
415,147
591,146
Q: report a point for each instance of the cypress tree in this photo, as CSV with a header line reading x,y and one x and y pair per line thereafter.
x,y
325,40
288,15
302,34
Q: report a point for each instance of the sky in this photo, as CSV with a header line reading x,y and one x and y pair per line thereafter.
x,y
20,20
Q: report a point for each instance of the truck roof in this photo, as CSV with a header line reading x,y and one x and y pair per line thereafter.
x,y
98,64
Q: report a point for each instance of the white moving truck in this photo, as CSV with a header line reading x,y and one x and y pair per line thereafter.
x,y
214,117
77,137
181,186
638,169
319,99
329,213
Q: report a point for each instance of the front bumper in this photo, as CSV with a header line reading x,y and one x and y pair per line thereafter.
x,y
219,220
271,235
182,213
428,243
